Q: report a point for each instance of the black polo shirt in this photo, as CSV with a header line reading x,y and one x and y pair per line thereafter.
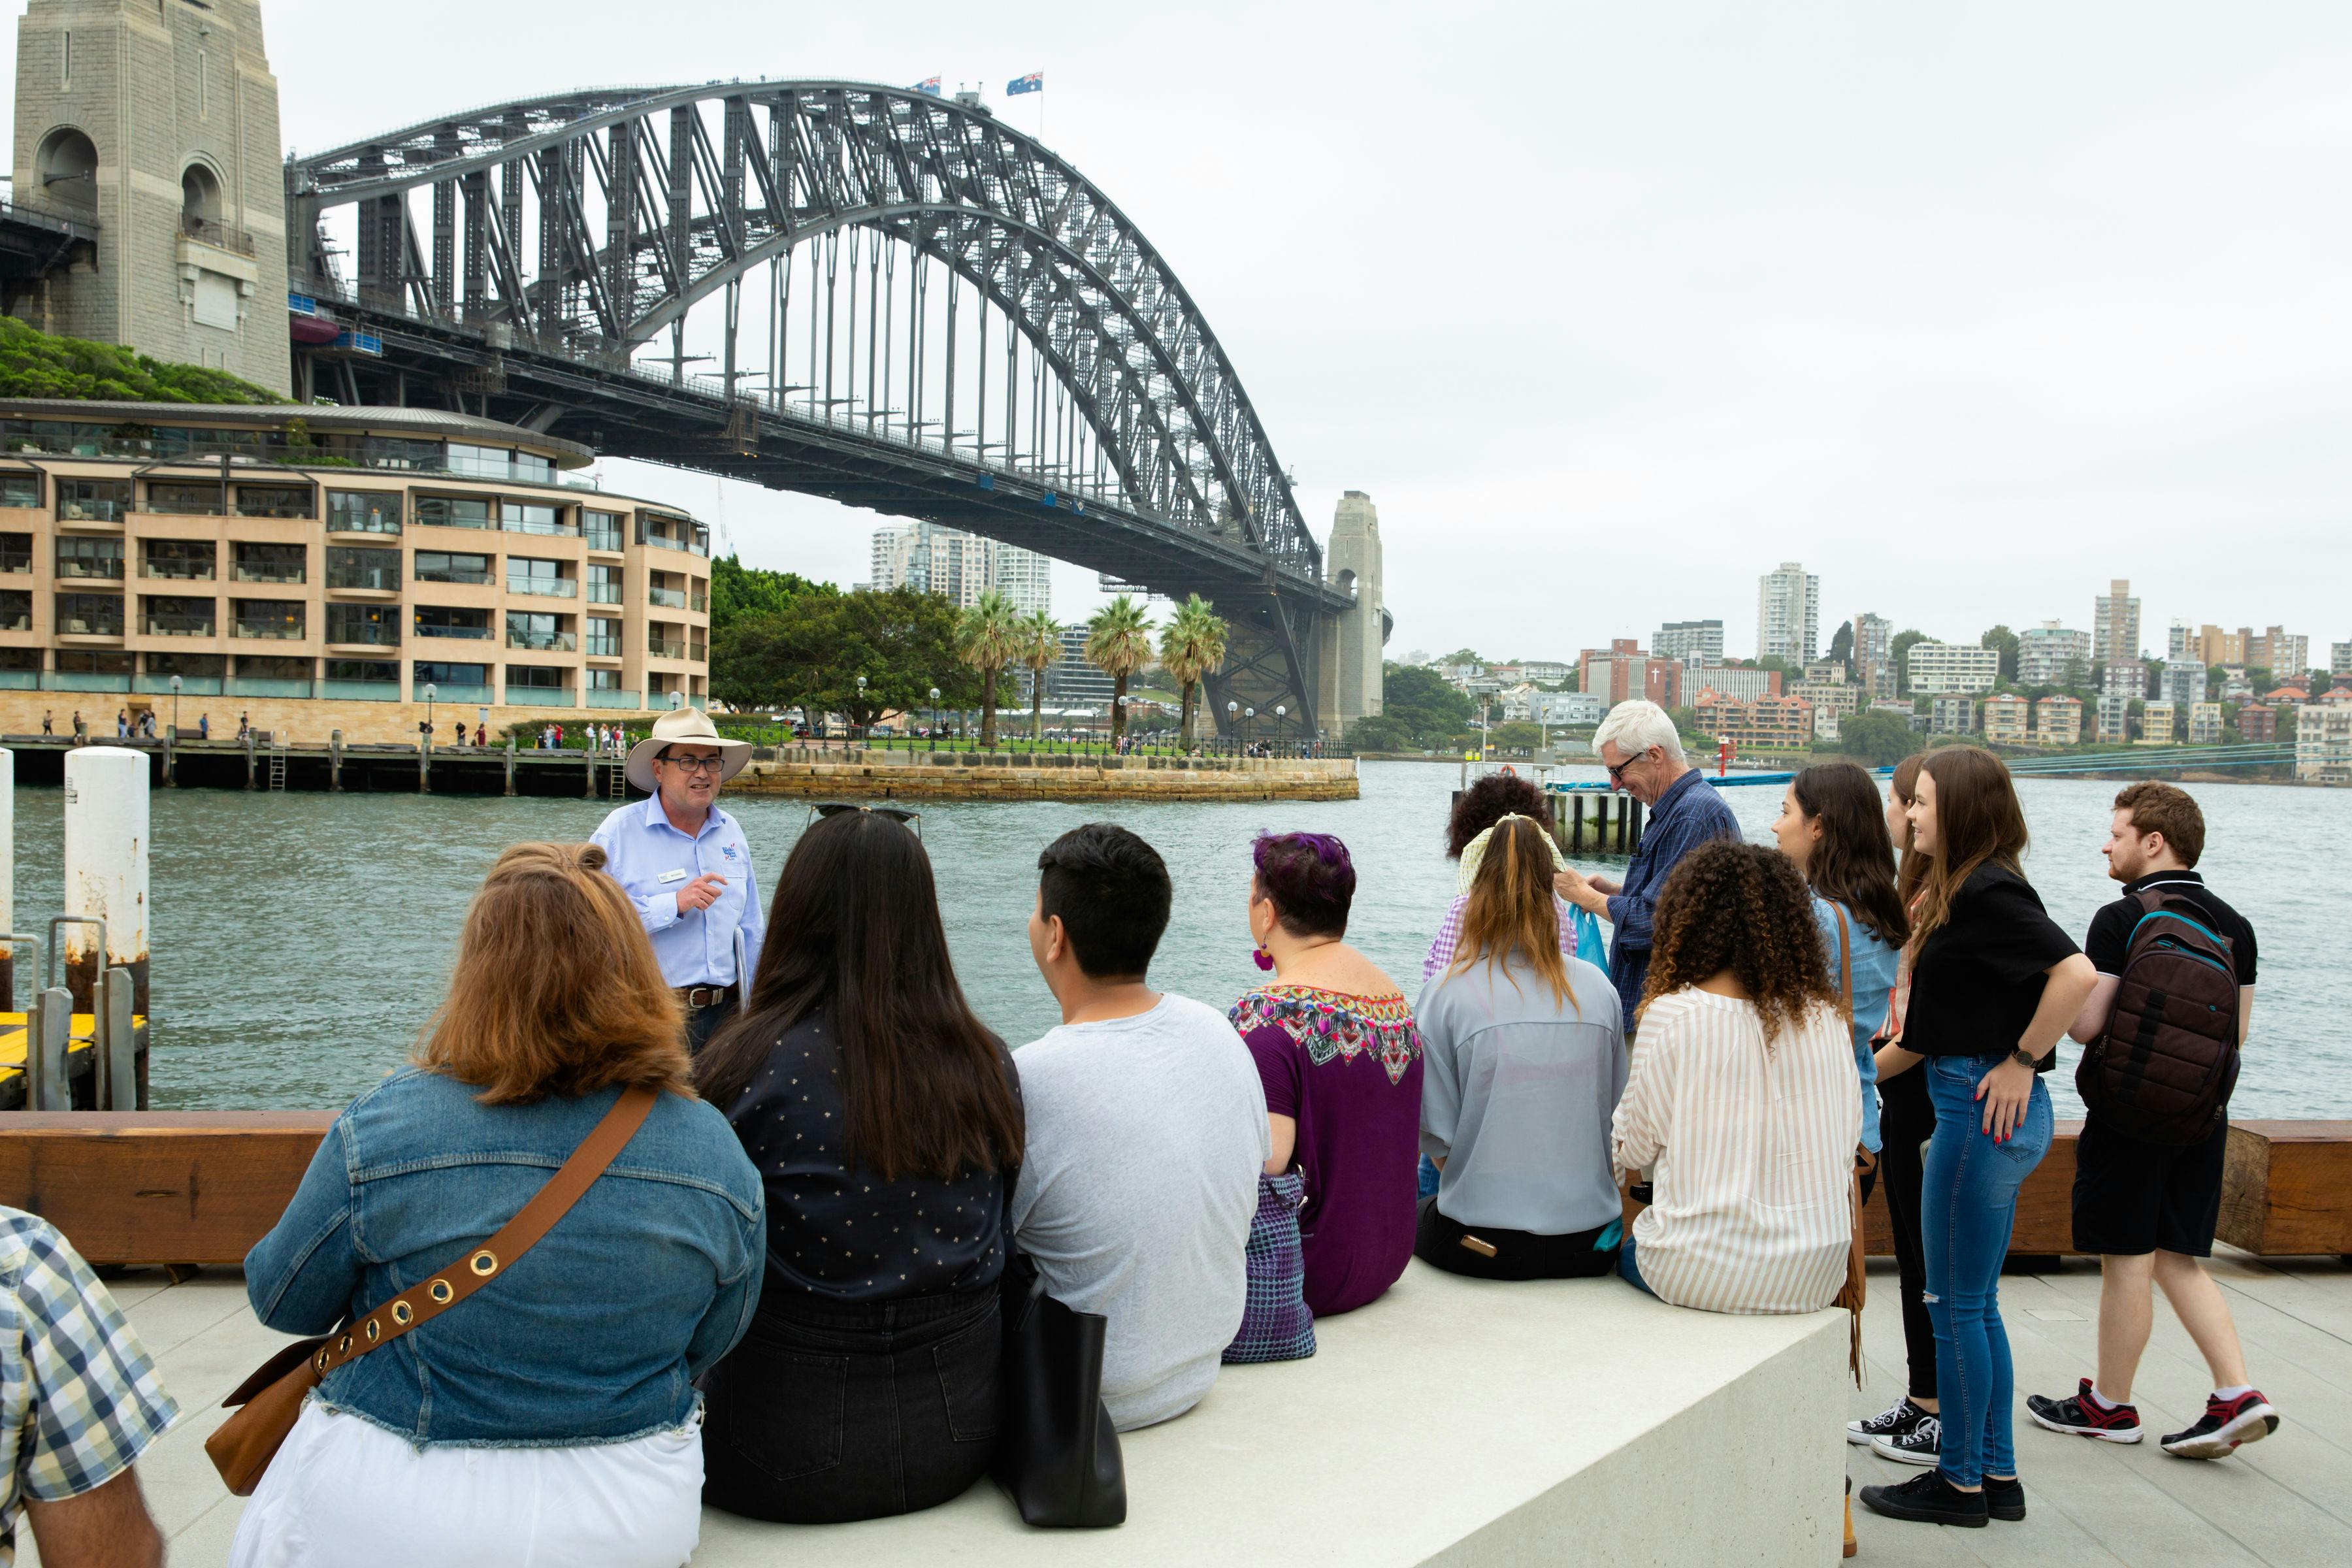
x,y
1979,978
2110,928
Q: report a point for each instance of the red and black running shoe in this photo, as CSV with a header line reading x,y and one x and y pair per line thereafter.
x,y
2083,1416
2226,1424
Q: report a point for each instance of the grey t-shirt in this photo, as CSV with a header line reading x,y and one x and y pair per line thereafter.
x,y
1517,1091
1146,1136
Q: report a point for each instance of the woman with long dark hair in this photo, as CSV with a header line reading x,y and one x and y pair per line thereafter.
x,y
884,1120
1994,983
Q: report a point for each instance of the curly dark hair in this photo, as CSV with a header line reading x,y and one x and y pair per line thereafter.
x,y
1741,908
1487,802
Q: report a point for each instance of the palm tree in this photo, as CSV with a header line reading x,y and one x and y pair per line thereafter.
x,y
988,637
1192,646
1118,643
1040,645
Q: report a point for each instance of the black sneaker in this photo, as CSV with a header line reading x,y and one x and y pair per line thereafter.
x,y
1895,1421
2226,1424
2005,1499
1923,1445
1928,1499
2081,1415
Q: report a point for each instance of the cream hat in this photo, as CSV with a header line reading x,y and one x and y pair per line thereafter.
x,y
1475,850
690,726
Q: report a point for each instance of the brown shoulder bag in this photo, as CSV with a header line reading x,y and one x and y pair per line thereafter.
x,y
1850,1294
269,1402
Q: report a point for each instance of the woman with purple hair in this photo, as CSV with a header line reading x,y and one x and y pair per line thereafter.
x,y
1340,1055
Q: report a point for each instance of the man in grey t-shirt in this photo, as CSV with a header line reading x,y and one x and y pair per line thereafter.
x,y
1145,1133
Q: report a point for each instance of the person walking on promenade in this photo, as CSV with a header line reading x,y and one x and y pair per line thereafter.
x,y
2148,1208
884,1120
79,1403
687,865
554,1419
1638,744
1994,983
80,729
204,726
122,724
1526,1059
1146,1136
48,721
1340,1060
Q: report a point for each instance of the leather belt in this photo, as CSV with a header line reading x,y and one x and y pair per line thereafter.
x,y
706,995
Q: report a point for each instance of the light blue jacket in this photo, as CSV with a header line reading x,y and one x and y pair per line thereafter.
x,y
1874,995
595,1335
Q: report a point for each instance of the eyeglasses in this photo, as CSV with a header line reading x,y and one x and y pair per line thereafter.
x,y
1617,773
691,764
912,821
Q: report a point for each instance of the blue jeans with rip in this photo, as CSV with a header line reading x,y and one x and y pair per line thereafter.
x,y
1968,1202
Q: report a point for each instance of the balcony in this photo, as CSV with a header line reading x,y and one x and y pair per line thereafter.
x,y
22,560
668,598
96,511
84,566
272,573
512,524
658,648
698,603
538,696
178,626
176,571
360,690
377,635
541,642
598,593
220,236
469,634
480,696
607,697
462,575
545,587
269,628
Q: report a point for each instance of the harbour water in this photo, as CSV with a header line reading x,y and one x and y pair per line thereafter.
x,y
300,941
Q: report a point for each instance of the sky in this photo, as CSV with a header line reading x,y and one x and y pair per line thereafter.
x,y
1610,308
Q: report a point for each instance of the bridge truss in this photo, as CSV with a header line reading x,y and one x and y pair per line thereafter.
x,y
909,305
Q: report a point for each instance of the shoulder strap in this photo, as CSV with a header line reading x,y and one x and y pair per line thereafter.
x,y
1845,959
447,1287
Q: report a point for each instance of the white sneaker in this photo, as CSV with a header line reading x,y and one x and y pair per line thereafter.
x,y
1923,1445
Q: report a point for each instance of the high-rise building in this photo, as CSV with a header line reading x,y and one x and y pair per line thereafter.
x,y
2115,624
960,566
2340,659
1873,662
2204,723
1938,667
2287,656
2125,683
1787,615
2182,682
1623,670
2181,642
1744,684
1693,642
2155,724
1071,680
2006,718
2050,654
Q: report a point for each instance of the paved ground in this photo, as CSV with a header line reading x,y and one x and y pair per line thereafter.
x,y
2286,1500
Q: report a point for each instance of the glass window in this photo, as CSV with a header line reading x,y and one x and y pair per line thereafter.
x,y
531,630
89,614
665,589
274,500
16,610
532,466
163,616
442,621
272,666
363,512
424,671
604,585
604,638
663,641
665,531
16,552
90,661
446,566
188,559
378,625
188,666
179,499
274,619
349,566
604,681
537,677
99,500
20,490
78,557
455,511
398,452
526,575
604,530
272,563
489,462
376,669
529,517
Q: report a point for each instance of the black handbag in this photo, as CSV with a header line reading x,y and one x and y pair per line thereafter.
x,y
1056,1451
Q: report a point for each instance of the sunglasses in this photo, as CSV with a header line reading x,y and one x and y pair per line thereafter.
x,y
912,821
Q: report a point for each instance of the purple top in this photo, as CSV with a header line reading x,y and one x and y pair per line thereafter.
x,y
1348,1070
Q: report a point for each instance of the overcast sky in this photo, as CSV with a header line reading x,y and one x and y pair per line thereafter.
x,y
1970,308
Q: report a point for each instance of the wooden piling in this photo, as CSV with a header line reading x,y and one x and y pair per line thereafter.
x,y
424,764
248,758
1633,839
1576,828
334,760
1622,805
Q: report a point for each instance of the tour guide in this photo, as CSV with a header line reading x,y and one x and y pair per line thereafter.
x,y
685,864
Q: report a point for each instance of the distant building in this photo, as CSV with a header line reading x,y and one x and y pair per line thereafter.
x,y
1547,671
2209,645
2005,719
1826,672
2204,723
1765,723
1951,714
2286,696
1625,670
1071,680
2258,721
2058,721
959,566
2181,682
2181,642
2287,656
1560,710
2115,624
1946,667
1788,614
1742,683
2340,659
1832,702
2323,743
2155,724
1699,641
2048,654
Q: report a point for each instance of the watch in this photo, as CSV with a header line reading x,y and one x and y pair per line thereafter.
x,y
2026,1058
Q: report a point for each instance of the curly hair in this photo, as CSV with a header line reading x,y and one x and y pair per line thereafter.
x,y
1741,908
1487,802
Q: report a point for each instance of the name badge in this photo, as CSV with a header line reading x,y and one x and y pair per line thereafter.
x,y
671,877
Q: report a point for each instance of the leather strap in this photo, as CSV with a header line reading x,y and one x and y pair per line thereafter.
x,y
1845,960
427,1300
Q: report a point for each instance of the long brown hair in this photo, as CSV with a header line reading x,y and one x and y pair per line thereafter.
x,y
1977,822
556,991
855,931
1741,908
1510,908
1853,863
1910,866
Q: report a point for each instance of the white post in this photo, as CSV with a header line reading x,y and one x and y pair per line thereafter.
x,y
106,868
8,879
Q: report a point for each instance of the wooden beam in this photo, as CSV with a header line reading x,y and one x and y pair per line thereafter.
x,y
129,1188
2286,1188
2045,1207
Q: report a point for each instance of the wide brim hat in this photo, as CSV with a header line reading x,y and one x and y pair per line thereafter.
x,y
684,726
1475,850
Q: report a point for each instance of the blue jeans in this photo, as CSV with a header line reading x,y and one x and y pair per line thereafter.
x,y
1968,1201
1625,1270
1426,1178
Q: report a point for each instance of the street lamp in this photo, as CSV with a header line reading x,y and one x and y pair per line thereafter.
x,y
175,709
1247,714
1232,723
935,718
1279,709
861,701
431,691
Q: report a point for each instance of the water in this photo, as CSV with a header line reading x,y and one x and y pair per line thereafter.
x,y
302,941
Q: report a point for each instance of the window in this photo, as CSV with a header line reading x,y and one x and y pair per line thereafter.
x,y
453,511
439,621
16,552
526,575
543,634
272,666
16,610
277,620
364,670
486,462
272,563
363,512
532,466
663,641
100,500
424,671
536,677
188,666
399,452
604,681
179,501
602,530
529,517
603,638
698,595
89,614
665,531
377,626
442,566
90,661
89,557
664,590
604,585
349,566
190,560
274,500
162,617
25,490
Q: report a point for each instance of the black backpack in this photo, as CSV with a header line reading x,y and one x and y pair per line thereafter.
x,y
2163,1068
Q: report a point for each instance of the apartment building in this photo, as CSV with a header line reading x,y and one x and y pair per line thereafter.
x,y
2323,743
2286,655
2155,724
2005,718
1788,614
2058,721
1763,723
1743,683
1834,700
1698,642
1945,666
2051,655
959,566
2204,723
2115,624
1625,670
1952,714
2181,681
1560,710
2340,659
2258,721
324,569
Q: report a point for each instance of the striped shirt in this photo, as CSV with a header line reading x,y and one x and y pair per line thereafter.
x,y
1753,1151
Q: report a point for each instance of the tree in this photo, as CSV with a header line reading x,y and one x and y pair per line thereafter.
x,y
1432,711
2005,641
1381,732
1879,738
1900,652
1462,655
737,590
988,637
1041,644
1842,643
810,653
1118,643
1516,736
1192,646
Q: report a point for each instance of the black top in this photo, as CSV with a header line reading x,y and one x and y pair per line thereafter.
x,y
840,1233
1979,978
2110,928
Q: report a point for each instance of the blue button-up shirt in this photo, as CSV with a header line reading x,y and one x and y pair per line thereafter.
x,y
1688,814
651,860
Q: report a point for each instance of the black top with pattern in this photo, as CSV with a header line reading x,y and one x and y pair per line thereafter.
x,y
842,1234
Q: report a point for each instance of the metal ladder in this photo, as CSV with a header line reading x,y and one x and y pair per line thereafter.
x,y
277,765
616,780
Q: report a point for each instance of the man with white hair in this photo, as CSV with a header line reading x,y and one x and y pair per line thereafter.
x,y
1638,744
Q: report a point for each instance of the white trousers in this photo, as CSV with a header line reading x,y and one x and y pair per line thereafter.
x,y
343,1493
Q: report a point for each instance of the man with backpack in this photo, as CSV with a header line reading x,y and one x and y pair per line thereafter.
x,y
2161,1034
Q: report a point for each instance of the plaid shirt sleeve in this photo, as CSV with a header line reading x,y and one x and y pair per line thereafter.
x,y
82,1400
1448,937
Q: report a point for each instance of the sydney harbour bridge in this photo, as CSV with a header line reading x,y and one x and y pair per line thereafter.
x,y
905,304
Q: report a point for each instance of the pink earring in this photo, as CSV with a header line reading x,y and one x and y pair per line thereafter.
x,y
1265,958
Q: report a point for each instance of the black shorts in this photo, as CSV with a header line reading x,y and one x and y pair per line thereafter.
x,y
2133,1197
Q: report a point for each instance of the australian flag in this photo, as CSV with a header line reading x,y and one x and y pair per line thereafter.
x,y
930,84
1033,82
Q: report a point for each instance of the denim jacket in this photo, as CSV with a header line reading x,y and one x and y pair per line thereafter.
x,y
595,1335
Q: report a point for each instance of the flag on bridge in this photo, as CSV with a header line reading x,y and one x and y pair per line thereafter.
x,y
1033,82
930,84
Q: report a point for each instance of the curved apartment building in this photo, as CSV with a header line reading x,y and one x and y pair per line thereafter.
x,y
321,569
